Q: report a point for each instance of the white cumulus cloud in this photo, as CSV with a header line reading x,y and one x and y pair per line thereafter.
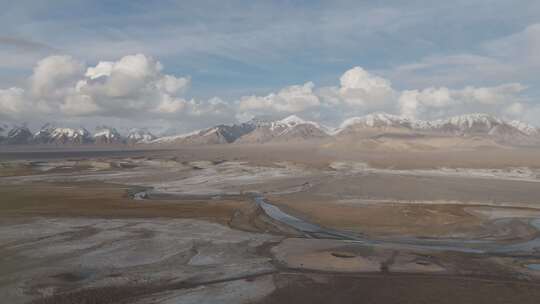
x,y
361,92
11,102
135,88
439,102
360,88
292,99
54,75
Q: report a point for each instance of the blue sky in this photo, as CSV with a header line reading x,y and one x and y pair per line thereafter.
x,y
232,49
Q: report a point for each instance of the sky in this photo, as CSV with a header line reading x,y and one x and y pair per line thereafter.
x,y
175,66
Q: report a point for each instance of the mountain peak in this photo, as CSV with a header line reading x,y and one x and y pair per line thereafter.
x,y
4,130
140,136
49,133
467,123
105,134
377,120
289,128
19,135
293,121
524,127
470,119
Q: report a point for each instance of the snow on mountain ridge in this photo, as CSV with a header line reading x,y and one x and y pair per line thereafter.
x,y
290,122
467,121
52,134
461,123
4,130
173,138
375,120
19,135
140,136
524,127
71,133
287,129
109,133
294,120
106,135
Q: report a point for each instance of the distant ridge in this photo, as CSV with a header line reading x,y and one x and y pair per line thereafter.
x,y
289,129
50,134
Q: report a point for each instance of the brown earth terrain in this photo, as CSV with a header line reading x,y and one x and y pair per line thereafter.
x,y
182,226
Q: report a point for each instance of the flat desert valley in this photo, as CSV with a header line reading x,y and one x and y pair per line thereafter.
x,y
274,223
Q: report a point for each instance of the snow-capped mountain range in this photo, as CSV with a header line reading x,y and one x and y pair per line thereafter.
x,y
220,134
468,124
107,135
375,120
524,127
288,129
50,134
139,136
291,128
15,134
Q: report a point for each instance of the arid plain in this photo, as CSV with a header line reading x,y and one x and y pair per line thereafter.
x,y
274,223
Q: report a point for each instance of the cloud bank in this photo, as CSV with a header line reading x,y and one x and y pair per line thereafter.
x,y
361,92
135,89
